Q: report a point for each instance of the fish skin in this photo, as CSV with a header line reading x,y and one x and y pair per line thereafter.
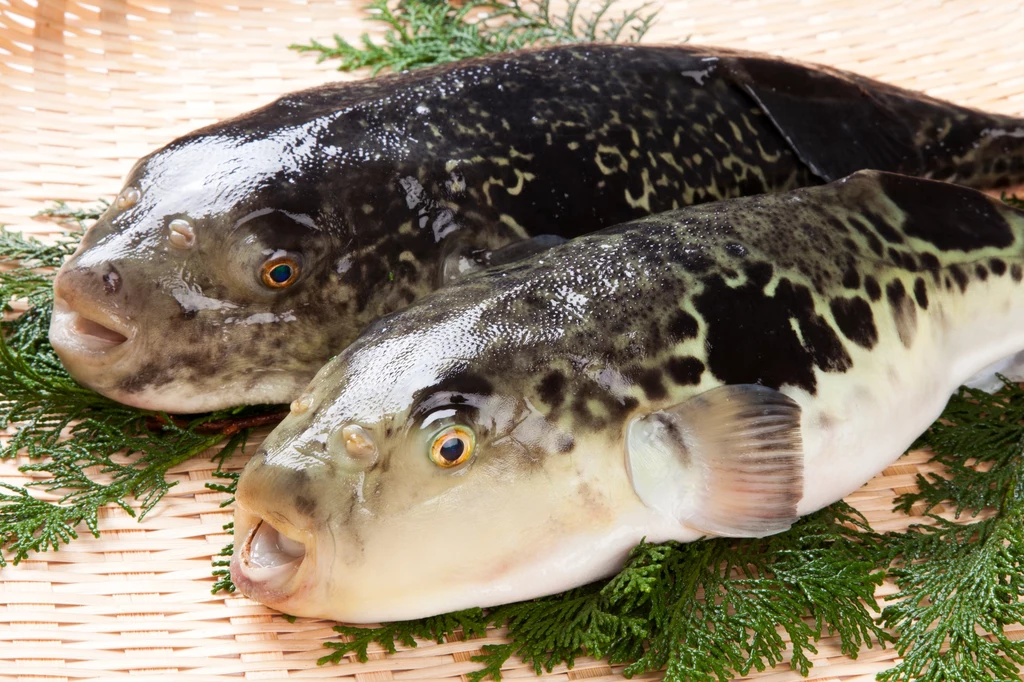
x,y
865,302
375,183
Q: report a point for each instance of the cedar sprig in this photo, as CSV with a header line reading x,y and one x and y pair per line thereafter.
x,y
426,32
357,640
66,214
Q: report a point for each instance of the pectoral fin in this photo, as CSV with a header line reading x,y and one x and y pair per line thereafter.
x,y
833,124
523,249
462,262
728,462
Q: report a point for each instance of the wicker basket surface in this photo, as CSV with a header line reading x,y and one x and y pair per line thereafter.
x,y
89,87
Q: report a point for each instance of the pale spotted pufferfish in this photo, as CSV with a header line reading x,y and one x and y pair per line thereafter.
x,y
717,371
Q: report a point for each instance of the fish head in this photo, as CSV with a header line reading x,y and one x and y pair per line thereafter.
x,y
215,244
414,477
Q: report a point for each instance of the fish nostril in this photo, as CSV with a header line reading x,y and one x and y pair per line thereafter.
x,y
181,234
358,443
112,281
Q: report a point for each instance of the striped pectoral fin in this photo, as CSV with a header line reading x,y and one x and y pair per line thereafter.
x,y
728,462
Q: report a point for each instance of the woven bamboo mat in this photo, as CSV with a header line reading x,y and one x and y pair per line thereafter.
x,y
88,87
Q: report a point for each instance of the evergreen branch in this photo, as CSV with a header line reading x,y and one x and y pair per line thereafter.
x,y
978,443
31,525
423,33
63,213
78,436
961,585
222,566
494,657
471,622
30,253
221,562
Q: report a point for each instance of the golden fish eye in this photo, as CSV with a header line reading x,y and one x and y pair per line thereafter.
x,y
280,272
452,447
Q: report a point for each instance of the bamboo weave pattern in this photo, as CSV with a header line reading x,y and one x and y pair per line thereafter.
x,y
89,87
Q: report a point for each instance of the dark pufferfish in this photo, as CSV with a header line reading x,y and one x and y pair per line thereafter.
x,y
239,258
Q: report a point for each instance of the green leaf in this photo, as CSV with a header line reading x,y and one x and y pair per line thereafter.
x,y
493,656
471,622
63,213
423,33
960,586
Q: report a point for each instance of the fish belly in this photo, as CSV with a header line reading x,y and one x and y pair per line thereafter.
x,y
861,421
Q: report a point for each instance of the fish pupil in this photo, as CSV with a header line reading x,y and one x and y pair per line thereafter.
x,y
452,449
281,273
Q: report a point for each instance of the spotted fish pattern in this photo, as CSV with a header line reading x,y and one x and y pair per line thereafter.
x,y
780,291
371,187
717,370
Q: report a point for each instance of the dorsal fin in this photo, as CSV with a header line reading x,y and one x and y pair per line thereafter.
x,y
833,124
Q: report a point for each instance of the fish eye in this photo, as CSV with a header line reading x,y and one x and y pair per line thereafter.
x,y
280,272
452,446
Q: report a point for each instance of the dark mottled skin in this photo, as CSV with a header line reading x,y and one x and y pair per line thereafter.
x,y
373,183
577,340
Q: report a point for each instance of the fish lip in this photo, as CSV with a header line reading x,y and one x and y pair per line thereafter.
x,y
276,586
73,327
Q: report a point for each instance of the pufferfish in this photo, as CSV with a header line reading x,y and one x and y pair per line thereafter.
x,y
717,371
239,258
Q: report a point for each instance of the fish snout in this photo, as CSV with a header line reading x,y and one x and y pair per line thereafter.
x,y
111,281
101,281
271,563
274,558
88,319
288,502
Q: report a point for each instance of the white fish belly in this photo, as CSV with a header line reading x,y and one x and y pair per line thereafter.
x,y
863,420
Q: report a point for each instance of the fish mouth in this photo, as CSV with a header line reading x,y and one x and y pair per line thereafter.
x,y
268,567
78,329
